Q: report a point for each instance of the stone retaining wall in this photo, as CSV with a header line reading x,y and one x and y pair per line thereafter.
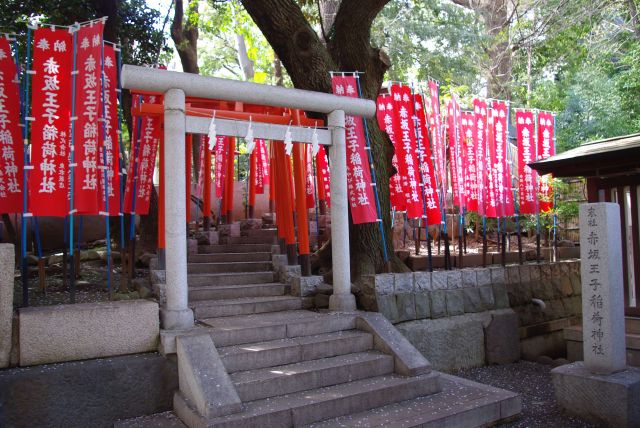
x,y
446,314
430,295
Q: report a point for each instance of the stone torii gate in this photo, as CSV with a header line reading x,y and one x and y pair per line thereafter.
x,y
176,86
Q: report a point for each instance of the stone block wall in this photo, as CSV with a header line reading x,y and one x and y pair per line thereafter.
x,y
412,296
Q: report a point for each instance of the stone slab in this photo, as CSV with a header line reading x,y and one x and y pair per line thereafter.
x,y
7,261
50,334
438,303
203,378
448,343
611,400
406,305
423,305
455,302
502,343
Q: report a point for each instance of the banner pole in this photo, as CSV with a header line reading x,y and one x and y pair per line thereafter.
x,y
72,274
23,218
420,160
514,182
121,172
134,185
374,182
555,202
443,194
459,176
536,184
106,174
484,241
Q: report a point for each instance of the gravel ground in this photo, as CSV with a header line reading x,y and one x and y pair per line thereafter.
x,y
533,382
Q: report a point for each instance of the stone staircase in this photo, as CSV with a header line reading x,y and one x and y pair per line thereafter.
x,y
257,359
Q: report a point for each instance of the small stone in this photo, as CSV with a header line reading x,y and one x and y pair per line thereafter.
x,y
544,359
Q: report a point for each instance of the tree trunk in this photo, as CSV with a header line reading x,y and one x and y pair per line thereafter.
x,y
184,32
308,61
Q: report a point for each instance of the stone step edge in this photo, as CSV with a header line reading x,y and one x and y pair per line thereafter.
x,y
302,342
289,405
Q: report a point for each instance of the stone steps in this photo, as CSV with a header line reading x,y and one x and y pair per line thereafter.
x,y
230,278
230,267
292,350
271,232
269,382
235,291
239,330
234,248
230,257
299,409
244,306
256,239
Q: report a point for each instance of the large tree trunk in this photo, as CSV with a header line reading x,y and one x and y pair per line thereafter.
x,y
184,32
308,61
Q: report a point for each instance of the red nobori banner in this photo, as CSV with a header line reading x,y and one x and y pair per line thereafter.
x,y
323,173
525,127
310,185
51,112
504,195
491,207
361,199
455,153
88,110
480,125
108,136
406,149
11,150
204,145
437,137
468,139
430,193
147,131
386,121
221,149
546,148
262,166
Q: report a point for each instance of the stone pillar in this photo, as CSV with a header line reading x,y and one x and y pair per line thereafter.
x,y
7,268
602,288
176,313
341,299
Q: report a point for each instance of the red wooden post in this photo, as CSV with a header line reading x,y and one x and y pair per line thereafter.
x,y
206,220
187,156
253,160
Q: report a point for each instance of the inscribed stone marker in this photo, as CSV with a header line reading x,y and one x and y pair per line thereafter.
x,y
602,288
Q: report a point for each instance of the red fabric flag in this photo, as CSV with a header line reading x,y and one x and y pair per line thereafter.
x,y
386,120
491,206
221,150
469,160
88,110
480,142
435,122
361,198
11,150
546,148
324,174
145,149
406,149
310,185
455,153
525,127
108,137
431,200
262,166
504,195
51,110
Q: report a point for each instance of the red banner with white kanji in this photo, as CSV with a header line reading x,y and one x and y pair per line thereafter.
x,y
468,139
525,129
221,149
504,194
51,112
11,152
455,153
147,132
546,148
430,193
437,137
406,149
310,184
491,206
386,120
323,174
480,142
88,110
108,136
262,166
360,192
204,145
